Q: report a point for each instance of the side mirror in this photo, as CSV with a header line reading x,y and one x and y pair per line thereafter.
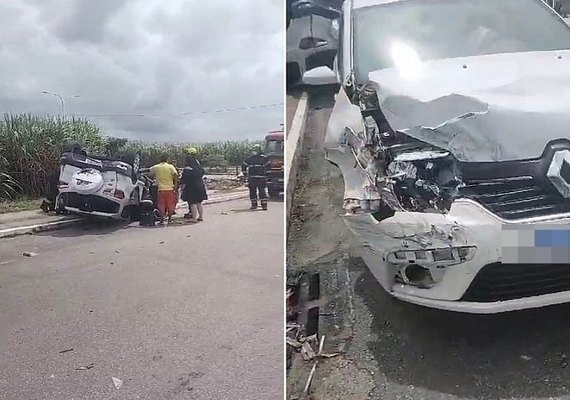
x,y
320,76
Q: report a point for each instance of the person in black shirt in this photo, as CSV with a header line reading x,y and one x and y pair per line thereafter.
x,y
193,190
255,169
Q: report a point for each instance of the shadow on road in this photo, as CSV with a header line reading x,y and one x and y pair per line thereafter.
x,y
88,228
514,355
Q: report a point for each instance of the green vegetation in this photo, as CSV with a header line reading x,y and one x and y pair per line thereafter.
x,y
21,204
30,148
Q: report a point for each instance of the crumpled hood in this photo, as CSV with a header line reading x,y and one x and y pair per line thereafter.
x,y
482,109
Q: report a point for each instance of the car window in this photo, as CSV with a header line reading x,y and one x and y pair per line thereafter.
x,y
439,29
274,147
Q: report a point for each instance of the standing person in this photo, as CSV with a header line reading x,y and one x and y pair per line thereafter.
x,y
193,189
167,182
255,169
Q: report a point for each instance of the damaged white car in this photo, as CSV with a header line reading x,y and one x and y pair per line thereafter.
x,y
101,187
452,133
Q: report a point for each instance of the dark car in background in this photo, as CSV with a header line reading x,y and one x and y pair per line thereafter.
x,y
311,42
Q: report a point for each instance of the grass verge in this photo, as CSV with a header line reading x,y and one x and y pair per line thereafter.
x,y
7,206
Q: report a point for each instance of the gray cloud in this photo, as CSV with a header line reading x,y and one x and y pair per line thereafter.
x,y
147,57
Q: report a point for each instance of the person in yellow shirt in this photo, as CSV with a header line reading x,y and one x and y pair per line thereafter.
x,y
166,178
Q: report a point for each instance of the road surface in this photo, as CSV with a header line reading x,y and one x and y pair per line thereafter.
x,y
180,312
395,350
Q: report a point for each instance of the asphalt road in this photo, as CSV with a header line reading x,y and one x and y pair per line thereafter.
x,y
394,350
180,312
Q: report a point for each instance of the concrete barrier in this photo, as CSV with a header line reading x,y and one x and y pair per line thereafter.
x,y
294,145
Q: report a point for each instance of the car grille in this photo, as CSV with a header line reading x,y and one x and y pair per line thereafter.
x,y
90,203
516,198
500,282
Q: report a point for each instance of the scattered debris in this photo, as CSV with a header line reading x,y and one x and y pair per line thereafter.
x,y
526,358
85,367
294,343
117,251
118,383
310,379
563,361
222,183
160,242
65,351
29,254
224,213
307,351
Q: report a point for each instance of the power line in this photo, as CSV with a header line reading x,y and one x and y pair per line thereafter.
x,y
222,110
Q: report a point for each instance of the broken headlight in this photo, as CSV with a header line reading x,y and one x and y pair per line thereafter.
x,y
424,180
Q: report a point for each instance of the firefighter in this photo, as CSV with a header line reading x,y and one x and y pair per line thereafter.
x,y
255,169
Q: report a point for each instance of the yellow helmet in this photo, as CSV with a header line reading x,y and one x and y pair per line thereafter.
x,y
192,151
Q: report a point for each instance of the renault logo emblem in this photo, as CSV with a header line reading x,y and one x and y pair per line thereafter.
x,y
559,172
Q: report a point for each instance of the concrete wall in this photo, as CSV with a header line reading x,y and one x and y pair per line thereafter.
x,y
293,150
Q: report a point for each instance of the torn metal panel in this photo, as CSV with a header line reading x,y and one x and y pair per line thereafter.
x,y
346,143
482,109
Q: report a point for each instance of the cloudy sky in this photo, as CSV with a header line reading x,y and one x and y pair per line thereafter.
x,y
147,57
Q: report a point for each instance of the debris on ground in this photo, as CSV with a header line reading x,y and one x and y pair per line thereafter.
x,y
65,351
222,183
118,383
525,358
85,367
311,347
29,254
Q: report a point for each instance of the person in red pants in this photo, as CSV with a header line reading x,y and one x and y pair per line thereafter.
x,y
166,177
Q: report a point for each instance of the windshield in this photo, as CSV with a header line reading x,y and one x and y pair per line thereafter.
x,y
274,147
437,29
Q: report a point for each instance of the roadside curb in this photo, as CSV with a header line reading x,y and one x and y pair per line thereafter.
x,y
294,148
66,223
43,227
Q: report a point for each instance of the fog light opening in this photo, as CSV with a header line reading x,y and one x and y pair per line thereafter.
x,y
417,275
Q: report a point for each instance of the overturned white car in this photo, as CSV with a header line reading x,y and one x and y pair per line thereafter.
x,y
452,133
100,187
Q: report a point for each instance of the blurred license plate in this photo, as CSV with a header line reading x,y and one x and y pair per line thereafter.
x,y
535,244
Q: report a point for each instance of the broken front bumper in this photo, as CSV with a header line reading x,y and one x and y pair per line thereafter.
x,y
476,282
